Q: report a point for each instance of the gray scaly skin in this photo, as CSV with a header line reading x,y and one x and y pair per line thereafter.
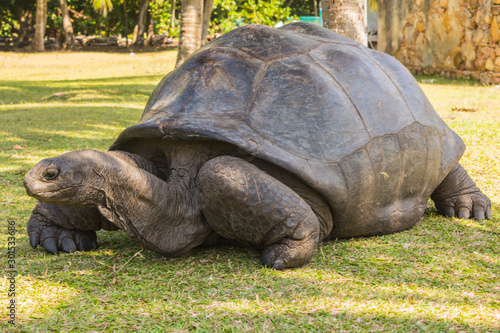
x,y
224,198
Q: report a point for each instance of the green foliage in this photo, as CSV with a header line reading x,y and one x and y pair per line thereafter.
x,y
90,17
264,12
303,7
162,17
230,14
10,11
106,5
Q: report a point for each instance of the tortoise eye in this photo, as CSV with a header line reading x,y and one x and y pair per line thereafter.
x,y
51,173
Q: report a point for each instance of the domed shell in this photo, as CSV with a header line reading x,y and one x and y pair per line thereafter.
x,y
350,121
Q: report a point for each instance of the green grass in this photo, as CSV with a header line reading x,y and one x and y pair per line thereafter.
x,y
440,276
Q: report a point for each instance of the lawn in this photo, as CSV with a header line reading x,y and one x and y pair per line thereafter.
x,y
442,275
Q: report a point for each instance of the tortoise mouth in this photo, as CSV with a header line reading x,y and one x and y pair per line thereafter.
x,y
54,193
48,192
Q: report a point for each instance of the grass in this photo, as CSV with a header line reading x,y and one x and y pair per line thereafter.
x,y
440,276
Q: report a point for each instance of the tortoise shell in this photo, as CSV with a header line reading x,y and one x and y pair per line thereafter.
x,y
351,122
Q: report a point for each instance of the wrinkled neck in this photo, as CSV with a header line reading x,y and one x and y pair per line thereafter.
x,y
164,216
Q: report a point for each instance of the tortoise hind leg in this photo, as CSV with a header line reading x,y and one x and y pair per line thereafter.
x,y
457,195
247,205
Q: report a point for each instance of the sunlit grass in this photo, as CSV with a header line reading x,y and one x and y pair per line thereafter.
x,y
440,276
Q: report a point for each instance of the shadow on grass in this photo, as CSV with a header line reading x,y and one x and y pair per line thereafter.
x,y
28,135
108,89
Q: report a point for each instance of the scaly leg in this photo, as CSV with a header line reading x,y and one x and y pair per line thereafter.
x,y
245,204
457,195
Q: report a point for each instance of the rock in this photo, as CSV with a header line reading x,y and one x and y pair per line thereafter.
x,y
489,65
479,64
485,79
494,31
497,61
468,34
479,17
478,36
468,51
469,65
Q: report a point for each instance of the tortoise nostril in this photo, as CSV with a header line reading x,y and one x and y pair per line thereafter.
x,y
50,174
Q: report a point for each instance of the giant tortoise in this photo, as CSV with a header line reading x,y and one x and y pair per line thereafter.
x,y
274,139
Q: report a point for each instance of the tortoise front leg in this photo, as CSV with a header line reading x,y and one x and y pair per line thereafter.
x,y
457,195
245,204
65,228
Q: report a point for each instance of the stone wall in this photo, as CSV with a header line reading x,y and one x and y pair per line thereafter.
x,y
454,38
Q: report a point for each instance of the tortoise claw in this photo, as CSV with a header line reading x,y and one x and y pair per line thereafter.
x,y
34,239
50,246
479,213
449,212
68,245
463,213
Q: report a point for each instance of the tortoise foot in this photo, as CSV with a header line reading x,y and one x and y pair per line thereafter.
x,y
458,196
466,206
54,238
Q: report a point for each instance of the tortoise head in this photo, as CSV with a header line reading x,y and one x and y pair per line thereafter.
x,y
71,178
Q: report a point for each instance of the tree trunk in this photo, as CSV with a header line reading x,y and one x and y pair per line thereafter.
x,y
151,30
69,42
138,38
347,17
41,22
191,25
26,27
125,21
172,19
208,6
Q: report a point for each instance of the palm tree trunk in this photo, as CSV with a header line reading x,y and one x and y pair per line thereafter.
x,y
172,18
208,6
191,25
69,42
41,22
138,38
347,17
125,21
